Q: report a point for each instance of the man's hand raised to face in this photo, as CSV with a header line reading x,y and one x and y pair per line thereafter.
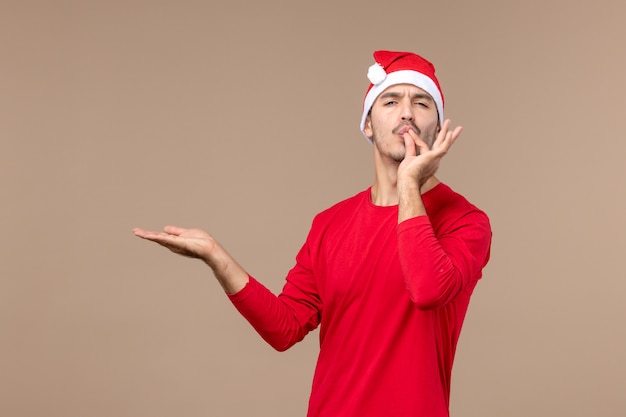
x,y
422,161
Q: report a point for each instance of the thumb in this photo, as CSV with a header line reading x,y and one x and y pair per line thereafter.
x,y
174,230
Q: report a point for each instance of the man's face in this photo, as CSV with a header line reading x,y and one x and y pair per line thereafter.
x,y
396,110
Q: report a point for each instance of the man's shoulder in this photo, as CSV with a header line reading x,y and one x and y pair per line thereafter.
x,y
447,206
334,216
444,196
345,204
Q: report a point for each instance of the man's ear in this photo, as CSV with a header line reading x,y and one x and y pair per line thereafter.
x,y
367,126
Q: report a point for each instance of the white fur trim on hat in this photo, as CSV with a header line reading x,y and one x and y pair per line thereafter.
x,y
402,77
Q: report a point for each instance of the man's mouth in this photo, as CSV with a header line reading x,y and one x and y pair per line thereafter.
x,y
402,129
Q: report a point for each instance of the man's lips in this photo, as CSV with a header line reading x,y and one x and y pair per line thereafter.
x,y
402,129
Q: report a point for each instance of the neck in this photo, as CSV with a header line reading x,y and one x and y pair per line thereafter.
x,y
385,188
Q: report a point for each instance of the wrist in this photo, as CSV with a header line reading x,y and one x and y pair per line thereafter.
x,y
408,185
215,257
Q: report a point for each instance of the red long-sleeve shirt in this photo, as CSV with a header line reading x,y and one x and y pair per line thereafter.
x,y
389,298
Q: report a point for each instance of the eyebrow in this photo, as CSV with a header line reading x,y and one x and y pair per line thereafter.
x,y
393,94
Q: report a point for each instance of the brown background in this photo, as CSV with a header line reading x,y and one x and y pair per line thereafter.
x,y
242,118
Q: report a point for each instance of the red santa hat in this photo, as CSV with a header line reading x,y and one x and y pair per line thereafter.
x,y
392,68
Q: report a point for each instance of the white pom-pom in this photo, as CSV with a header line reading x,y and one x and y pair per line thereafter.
x,y
376,73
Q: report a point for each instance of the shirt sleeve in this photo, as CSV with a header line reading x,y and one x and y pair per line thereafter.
x,y
285,319
437,268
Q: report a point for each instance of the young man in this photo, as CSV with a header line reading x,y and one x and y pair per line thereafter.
x,y
387,274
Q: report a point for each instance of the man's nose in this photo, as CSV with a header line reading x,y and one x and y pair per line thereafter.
x,y
407,112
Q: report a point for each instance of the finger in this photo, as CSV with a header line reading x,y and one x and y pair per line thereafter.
x,y
153,236
445,142
172,242
456,132
451,137
141,232
177,244
409,145
443,132
419,143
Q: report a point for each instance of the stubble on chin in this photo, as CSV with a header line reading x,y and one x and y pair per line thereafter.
x,y
396,152
398,156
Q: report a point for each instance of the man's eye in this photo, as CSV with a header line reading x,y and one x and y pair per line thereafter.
x,y
387,103
423,104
